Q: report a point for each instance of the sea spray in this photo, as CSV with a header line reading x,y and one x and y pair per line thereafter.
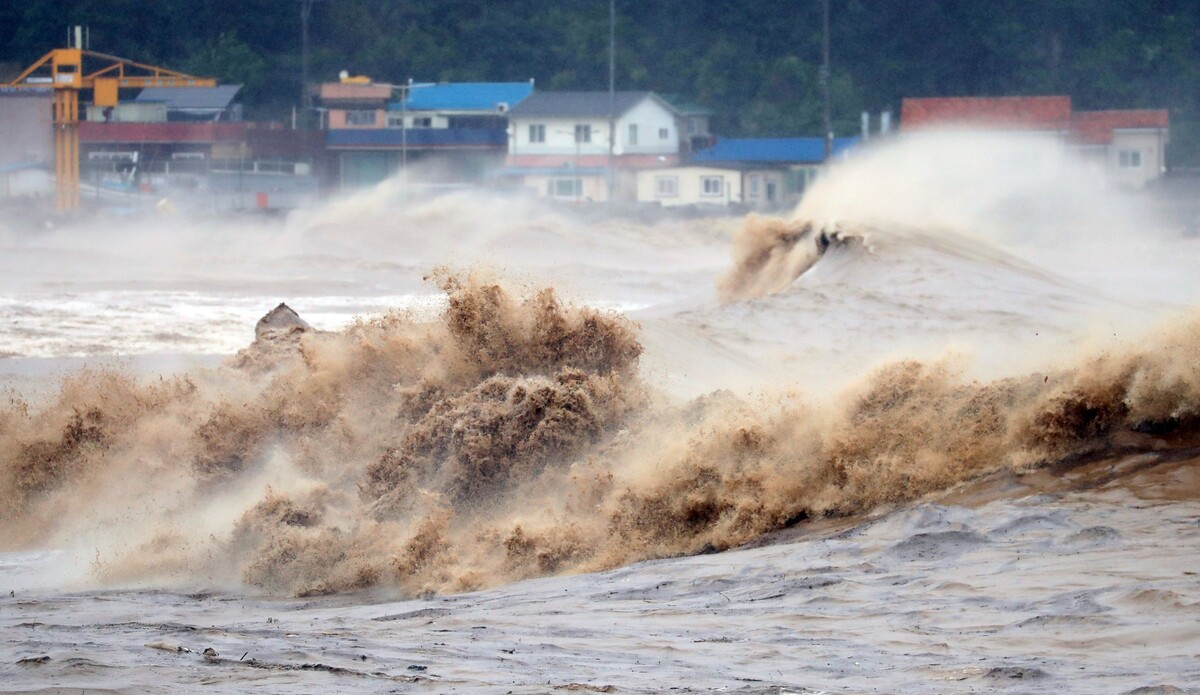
x,y
516,438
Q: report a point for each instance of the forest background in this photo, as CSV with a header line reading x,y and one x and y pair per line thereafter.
x,y
755,64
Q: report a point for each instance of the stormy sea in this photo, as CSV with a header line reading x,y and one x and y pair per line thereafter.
x,y
936,430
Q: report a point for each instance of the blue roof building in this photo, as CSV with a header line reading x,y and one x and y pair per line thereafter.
x,y
451,133
755,173
486,97
771,150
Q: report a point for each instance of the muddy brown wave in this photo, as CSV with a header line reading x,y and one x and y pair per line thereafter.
x,y
513,438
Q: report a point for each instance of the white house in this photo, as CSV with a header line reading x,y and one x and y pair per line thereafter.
x,y
559,142
690,185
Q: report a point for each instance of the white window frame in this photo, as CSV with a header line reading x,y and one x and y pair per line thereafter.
x,y
1129,159
719,187
575,184
664,133
422,122
666,186
537,133
633,134
583,133
359,117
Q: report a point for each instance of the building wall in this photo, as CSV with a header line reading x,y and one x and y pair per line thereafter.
x,y
689,186
764,188
27,122
1126,170
27,182
651,120
559,137
338,118
436,120
648,116
591,188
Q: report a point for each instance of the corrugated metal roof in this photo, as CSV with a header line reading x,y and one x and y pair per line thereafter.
x,y
465,96
581,104
777,150
205,98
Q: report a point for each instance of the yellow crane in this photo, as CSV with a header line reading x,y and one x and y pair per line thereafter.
x,y
62,70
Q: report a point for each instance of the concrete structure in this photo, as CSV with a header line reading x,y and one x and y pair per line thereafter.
x,y
1128,147
353,105
26,142
221,165
558,142
691,185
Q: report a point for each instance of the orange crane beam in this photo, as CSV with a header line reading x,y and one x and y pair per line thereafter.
x,y
62,70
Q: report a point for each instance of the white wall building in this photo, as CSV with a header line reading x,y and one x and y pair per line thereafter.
x,y
559,142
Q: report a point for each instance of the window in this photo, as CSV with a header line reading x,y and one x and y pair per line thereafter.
x,y
583,132
537,132
754,181
712,185
360,118
566,188
664,133
633,133
666,186
396,121
1129,159
423,122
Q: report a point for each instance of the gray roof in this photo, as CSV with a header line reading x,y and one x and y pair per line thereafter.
x,y
201,98
581,104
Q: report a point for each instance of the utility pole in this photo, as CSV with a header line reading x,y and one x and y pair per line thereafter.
x,y
305,93
612,95
825,79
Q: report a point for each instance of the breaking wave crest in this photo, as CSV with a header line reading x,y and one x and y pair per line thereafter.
x,y
515,437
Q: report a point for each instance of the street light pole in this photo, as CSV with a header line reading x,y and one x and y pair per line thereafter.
x,y
825,78
305,93
612,96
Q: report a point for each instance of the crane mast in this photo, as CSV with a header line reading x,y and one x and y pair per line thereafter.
x,y
62,70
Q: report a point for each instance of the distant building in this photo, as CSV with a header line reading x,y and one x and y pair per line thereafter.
x,y
694,126
192,143
691,184
558,142
172,104
455,132
353,104
763,173
1128,146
